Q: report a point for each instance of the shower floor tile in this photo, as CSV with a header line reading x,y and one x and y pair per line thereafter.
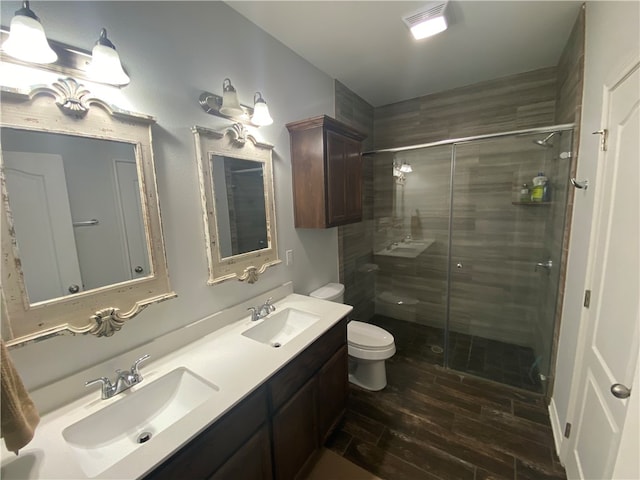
x,y
501,362
435,423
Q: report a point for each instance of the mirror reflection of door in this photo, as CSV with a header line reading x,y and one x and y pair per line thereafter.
x,y
240,205
42,220
130,210
105,224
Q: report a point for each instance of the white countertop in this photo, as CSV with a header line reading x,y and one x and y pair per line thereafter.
x,y
234,363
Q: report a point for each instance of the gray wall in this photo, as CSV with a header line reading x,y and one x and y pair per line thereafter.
x,y
173,51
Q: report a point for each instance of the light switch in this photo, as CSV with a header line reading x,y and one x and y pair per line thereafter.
x,y
289,257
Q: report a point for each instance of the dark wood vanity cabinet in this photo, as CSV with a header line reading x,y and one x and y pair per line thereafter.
x,y
220,446
277,429
326,161
302,412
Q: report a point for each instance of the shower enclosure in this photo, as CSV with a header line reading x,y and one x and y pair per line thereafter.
x,y
465,264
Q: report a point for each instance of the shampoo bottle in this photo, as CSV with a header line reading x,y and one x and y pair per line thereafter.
x,y
537,192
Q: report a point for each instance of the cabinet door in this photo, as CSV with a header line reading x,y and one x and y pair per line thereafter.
x,y
295,437
251,462
333,390
353,181
344,179
336,158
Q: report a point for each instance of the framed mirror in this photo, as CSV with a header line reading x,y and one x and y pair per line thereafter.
x,y
236,181
82,245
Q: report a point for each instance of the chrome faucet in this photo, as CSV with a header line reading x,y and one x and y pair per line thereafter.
x,y
125,379
262,311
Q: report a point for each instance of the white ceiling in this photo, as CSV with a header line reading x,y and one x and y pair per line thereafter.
x,y
366,46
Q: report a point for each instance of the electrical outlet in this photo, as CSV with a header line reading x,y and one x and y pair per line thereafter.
x,y
289,257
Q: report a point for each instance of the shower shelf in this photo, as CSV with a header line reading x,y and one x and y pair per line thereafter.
x,y
531,203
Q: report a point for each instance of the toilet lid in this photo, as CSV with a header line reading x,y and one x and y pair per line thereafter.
x,y
366,335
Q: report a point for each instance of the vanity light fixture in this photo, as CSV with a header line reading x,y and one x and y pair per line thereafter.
x,y
261,116
430,20
230,104
105,63
27,41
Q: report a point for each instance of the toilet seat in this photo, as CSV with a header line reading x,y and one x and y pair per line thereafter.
x,y
368,336
369,342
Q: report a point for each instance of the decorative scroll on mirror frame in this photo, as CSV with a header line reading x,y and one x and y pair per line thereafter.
x,y
234,143
67,109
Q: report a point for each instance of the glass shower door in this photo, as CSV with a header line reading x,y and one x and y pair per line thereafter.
x,y
505,256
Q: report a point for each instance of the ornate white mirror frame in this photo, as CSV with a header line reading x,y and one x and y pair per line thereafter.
x,y
235,143
100,311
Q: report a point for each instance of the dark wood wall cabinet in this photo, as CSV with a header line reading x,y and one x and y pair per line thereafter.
x,y
276,431
326,162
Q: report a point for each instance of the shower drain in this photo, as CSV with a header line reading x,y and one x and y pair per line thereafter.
x,y
144,437
436,349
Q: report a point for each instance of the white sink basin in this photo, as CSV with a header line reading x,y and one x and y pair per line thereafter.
x,y
406,249
105,437
281,327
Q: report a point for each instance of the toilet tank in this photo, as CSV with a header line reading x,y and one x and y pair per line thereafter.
x,y
334,292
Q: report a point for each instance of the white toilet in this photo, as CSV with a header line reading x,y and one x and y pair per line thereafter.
x,y
369,346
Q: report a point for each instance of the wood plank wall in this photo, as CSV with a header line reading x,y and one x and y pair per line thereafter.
x,y
509,103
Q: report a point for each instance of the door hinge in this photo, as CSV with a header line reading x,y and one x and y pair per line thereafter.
x,y
603,138
567,430
587,298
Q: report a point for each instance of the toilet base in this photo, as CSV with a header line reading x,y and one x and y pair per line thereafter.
x,y
368,374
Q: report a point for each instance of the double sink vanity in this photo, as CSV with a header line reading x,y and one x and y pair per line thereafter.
x,y
254,399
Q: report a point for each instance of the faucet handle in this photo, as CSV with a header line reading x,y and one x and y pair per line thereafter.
x,y
269,305
103,380
106,386
134,367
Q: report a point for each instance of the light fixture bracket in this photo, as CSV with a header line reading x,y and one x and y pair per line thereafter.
x,y
26,11
211,103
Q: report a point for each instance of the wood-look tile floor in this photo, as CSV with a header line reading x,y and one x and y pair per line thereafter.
x,y
432,423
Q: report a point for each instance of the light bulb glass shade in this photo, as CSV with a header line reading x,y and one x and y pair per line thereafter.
x,y
230,104
406,168
261,116
429,27
27,41
105,66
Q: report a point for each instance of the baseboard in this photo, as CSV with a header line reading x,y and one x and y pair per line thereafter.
x,y
556,428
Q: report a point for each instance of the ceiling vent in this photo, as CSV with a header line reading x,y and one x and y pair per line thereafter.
x,y
429,20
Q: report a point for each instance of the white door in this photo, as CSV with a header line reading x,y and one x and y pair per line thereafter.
x,y
135,239
611,323
39,202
